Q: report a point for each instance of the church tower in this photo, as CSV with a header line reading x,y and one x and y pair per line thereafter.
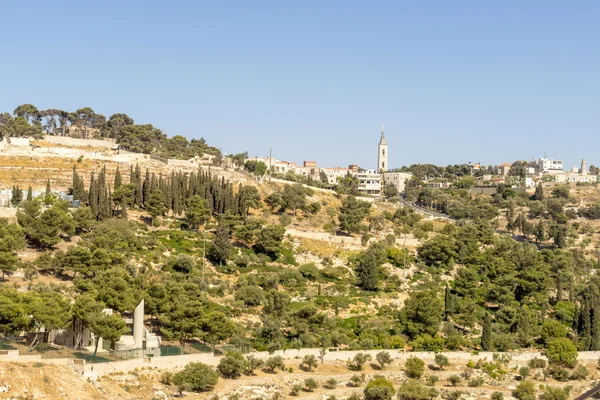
x,y
583,167
382,157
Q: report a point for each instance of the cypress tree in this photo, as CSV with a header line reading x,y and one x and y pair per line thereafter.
x,y
118,179
123,209
595,338
139,195
486,335
586,324
146,186
93,196
539,192
221,248
29,193
48,194
17,195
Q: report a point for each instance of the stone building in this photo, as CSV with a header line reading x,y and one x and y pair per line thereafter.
x,y
576,175
397,179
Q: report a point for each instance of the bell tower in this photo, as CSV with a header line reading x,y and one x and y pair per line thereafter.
x,y
382,157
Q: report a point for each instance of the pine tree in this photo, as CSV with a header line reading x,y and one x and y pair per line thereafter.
x,y
221,248
486,335
595,339
118,179
30,194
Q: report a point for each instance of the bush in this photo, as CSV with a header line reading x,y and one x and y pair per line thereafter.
x,y
558,373
476,382
454,380
441,361
432,380
166,378
497,396
309,362
379,388
561,351
524,391
524,372
196,377
273,363
252,364
356,380
581,372
383,358
359,361
330,384
414,367
296,389
232,366
537,363
415,390
354,396
310,384
556,393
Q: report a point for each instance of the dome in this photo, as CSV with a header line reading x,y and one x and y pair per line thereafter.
x,y
574,170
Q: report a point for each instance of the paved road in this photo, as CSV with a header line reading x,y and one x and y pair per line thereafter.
x,y
424,210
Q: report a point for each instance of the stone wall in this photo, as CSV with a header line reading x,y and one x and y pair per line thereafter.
x,y
74,142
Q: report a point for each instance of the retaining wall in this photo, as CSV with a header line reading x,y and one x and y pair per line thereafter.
x,y
75,142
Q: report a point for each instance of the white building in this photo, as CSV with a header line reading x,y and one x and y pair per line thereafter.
x,y
576,175
382,157
397,179
550,166
335,173
369,182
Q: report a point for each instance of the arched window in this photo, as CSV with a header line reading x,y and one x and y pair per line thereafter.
x,y
383,164
383,152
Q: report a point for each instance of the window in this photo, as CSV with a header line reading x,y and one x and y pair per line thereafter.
x,y
383,152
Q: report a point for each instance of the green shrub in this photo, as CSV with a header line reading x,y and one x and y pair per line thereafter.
x,y
454,380
476,382
524,372
432,380
415,390
580,373
497,396
537,363
196,377
561,351
252,364
383,358
309,362
232,366
359,361
273,363
525,391
379,388
330,383
356,380
414,367
310,384
296,389
441,361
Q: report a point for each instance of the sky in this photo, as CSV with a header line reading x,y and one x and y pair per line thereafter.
x,y
452,81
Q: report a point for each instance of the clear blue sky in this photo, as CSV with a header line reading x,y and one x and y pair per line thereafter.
x,y
453,81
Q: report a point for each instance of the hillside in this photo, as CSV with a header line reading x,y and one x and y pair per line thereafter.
x,y
222,258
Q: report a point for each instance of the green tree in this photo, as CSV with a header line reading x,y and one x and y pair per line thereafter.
x,y
562,352
17,196
369,269
414,367
196,213
155,206
486,336
539,192
269,240
257,168
309,362
12,239
216,327
415,390
441,361
196,377
352,213
294,197
109,327
221,248
422,313
359,361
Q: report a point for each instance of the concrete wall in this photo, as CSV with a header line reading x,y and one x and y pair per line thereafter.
x,y
69,141
18,141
